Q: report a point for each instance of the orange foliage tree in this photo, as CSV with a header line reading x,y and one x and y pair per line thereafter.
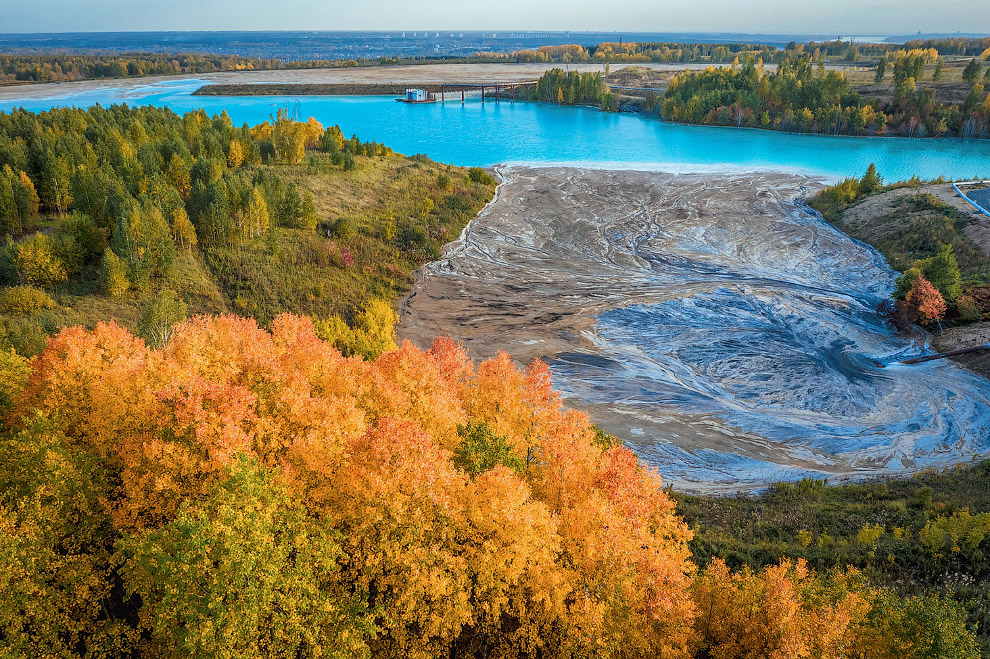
x,y
251,492
924,303
580,553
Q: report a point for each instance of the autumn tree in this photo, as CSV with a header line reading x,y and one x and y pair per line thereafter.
x,y
250,492
235,154
924,303
36,261
288,139
784,611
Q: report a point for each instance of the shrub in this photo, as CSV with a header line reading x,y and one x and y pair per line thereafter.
x,y
23,300
924,303
967,309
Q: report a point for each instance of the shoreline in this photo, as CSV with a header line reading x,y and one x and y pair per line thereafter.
x,y
517,282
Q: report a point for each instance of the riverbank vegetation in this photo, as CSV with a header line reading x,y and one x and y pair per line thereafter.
x,y
248,492
921,235
802,95
106,208
922,537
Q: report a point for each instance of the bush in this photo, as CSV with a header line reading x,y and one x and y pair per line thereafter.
x,y
36,262
479,175
24,300
968,310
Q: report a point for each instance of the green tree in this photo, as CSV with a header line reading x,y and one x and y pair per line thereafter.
x,y
242,573
881,69
482,449
56,182
160,318
291,208
113,274
871,182
972,71
905,282
942,271
921,627
10,219
308,219
939,67
55,549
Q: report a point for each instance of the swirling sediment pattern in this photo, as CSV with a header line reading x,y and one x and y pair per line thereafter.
x,y
715,325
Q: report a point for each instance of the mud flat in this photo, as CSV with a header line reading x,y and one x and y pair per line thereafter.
x,y
722,331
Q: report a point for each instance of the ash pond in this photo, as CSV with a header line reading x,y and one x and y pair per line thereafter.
x,y
714,324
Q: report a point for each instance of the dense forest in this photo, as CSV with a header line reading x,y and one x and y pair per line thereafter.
x,y
632,52
124,212
803,96
243,492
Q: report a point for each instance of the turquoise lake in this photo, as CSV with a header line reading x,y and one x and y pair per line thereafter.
x,y
507,132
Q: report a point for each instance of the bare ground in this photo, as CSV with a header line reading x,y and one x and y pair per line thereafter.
x,y
691,315
861,217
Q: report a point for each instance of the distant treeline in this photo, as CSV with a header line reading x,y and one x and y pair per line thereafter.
x,y
67,67
802,96
726,52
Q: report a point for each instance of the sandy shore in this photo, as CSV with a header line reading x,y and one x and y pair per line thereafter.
x,y
712,324
452,73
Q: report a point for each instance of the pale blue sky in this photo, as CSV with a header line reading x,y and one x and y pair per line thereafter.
x,y
880,17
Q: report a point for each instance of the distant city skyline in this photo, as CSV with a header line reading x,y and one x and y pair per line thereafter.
x,y
839,17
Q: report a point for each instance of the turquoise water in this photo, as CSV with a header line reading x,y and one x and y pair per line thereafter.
x,y
490,133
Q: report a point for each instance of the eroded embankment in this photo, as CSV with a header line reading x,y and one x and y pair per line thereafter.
x,y
711,323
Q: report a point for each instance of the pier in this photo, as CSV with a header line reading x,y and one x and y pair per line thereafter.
x,y
499,88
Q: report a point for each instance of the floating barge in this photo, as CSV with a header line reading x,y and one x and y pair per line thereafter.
x,y
417,96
